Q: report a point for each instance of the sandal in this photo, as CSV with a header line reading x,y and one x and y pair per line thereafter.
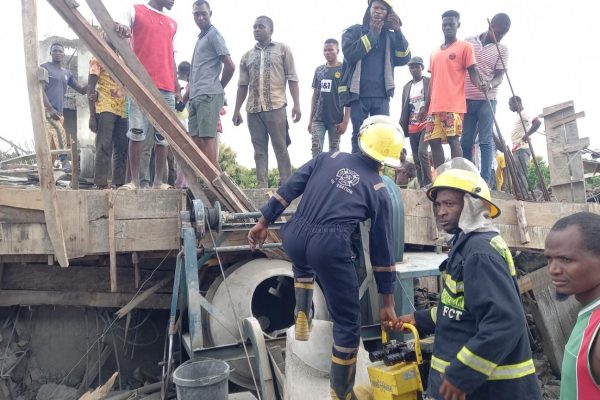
x,y
128,186
163,186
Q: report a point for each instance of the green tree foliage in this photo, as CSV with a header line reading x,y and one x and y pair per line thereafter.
x,y
242,176
544,169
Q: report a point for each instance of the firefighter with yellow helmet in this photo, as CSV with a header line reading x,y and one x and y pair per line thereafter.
x,y
481,348
339,190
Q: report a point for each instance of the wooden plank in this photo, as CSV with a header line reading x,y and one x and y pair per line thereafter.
x,y
88,299
556,108
135,235
13,215
74,161
522,223
76,278
20,198
554,319
111,242
566,170
571,147
566,120
136,204
75,221
44,161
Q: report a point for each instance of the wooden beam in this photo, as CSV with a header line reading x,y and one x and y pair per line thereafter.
x,y
566,120
88,299
522,223
74,161
47,185
112,248
571,147
556,108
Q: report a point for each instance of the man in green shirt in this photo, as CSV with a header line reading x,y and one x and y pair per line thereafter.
x,y
573,253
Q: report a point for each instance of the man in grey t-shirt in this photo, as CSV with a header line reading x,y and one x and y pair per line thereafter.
x,y
206,90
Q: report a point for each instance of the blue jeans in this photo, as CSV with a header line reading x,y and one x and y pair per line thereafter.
x,y
479,117
362,108
318,137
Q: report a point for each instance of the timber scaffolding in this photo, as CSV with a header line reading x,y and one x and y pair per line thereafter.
x,y
50,226
111,241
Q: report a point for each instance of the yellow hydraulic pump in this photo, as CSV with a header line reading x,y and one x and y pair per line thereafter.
x,y
395,372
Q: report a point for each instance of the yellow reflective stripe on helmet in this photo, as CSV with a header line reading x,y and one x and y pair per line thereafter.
x,y
341,361
433,314
438,364
501,247
457,302
476,362
453,286
404,53
366,42
513,371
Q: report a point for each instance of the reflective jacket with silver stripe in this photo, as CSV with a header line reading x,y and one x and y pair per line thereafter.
x,y
480,329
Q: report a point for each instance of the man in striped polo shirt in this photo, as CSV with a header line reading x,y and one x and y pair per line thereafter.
x,y
573,252
491,65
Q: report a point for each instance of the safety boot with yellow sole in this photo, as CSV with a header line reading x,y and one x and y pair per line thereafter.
x,y
303,312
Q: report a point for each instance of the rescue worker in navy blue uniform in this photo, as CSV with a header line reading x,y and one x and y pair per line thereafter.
x,y
371,52
339,190
481,348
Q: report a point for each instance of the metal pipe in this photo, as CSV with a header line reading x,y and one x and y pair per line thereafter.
x,y
230,249
250,215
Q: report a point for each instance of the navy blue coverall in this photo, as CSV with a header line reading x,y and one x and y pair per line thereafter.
x,y
339,191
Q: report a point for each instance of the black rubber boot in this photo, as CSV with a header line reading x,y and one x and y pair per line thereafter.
x,y
303,313
341,379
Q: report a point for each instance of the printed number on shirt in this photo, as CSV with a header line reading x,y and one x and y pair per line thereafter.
x,y
326,85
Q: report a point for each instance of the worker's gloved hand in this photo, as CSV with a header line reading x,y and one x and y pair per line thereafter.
x,y
406,318
451,392
258,234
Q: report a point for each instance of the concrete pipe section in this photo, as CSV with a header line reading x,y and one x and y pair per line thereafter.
x,y
261,288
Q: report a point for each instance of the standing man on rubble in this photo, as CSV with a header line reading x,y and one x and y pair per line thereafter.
x,y
339,190
54,99
573,253
447,102
520,132
479,118
414,97
211,70
107,105
481,348
152,33
371,52
264,71
326,113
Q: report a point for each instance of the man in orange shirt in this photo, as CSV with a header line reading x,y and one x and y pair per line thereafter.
x,y
447,102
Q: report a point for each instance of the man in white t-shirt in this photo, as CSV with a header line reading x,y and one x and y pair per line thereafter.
x,y
414,95
519,134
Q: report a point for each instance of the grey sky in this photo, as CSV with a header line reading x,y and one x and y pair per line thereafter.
x,y
549,62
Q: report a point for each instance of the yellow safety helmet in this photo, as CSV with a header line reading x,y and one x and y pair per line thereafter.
x,y
381,139
461,174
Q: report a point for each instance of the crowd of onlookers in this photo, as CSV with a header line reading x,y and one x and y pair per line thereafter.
x,y
454,106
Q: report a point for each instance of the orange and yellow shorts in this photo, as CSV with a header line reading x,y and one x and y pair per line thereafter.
x,y
442,125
